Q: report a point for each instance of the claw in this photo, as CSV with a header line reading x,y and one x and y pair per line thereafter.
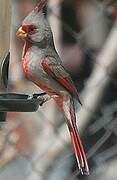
x,y
38,95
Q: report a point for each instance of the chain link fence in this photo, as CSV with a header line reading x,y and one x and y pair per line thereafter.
x,y
36,146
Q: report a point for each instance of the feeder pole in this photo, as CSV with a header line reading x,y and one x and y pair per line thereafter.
x,y
5,19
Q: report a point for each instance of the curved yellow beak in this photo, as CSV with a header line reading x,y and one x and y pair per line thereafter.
x,y
21,33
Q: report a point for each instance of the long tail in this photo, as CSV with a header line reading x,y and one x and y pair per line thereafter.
x,y
79,151
67,106
76,142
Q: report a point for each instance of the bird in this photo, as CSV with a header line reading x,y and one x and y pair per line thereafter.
x,y
42,65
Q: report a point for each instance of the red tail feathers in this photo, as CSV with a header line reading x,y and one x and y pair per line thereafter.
x,y
69,112
77,144
79,151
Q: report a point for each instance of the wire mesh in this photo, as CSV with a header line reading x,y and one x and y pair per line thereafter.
x,y
50,156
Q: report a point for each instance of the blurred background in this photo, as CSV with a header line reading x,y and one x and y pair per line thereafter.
x,y
36,146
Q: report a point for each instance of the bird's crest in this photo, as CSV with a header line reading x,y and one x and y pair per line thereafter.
x,y
40,5
36,13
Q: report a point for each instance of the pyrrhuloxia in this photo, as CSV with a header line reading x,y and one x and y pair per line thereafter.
x,y
43,66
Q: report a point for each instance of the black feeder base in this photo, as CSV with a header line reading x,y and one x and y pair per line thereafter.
x,y
11,102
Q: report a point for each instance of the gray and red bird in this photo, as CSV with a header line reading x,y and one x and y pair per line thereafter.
x,y
43,66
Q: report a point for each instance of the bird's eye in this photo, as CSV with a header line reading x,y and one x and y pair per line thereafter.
x,y
29,28
32,29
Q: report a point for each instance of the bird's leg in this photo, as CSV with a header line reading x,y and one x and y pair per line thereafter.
x,y
44,97
47,97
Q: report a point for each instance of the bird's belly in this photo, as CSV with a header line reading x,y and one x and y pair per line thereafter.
x,y
35,73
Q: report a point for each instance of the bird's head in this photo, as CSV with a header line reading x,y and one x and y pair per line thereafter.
x,y
35,27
